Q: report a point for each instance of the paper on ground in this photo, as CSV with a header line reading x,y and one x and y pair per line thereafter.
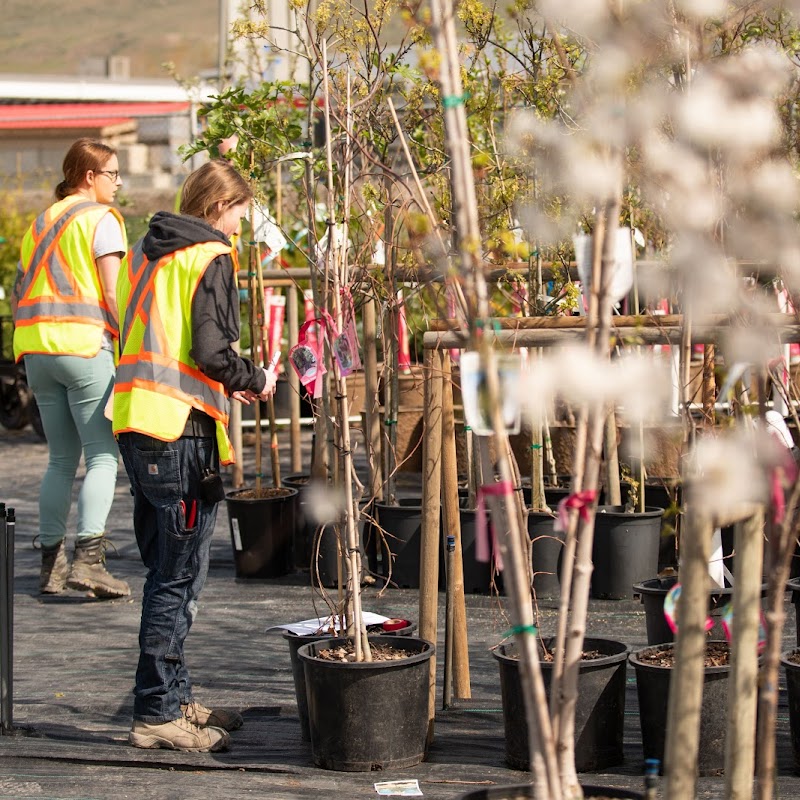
x,y
409,788
318,624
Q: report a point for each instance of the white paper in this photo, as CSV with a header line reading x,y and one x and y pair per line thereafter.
x,y
473,395
620,279
320,624
406,788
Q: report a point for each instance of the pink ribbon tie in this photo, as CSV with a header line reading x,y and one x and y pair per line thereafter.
x,y
582,501
482,549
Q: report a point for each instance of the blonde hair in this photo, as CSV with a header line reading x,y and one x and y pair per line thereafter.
x,y
215,182
84,155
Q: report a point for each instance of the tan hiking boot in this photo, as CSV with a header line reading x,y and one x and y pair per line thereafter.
x,y
89,572
178,734
53,577
224,718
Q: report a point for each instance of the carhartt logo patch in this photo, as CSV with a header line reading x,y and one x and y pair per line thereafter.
x,y
152,469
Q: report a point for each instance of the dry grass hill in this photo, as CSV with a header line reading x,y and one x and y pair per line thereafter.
x,y
53,38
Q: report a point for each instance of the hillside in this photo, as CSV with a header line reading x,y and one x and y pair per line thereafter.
x,y
54,38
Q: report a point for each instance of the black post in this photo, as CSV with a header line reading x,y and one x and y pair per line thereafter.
x,y
6,599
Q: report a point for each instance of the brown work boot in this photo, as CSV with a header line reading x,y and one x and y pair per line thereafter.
x,y
178,734
89,572
218,718
53,577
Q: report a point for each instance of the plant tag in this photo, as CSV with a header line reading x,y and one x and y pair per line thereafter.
x,y
408,788
237,537
477,413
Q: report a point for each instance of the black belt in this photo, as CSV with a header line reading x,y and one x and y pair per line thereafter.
x,y
199,424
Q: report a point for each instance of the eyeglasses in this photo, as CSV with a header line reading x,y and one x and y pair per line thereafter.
x,y
113,174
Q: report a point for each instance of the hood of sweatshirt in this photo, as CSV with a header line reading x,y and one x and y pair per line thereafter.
x,y
169,232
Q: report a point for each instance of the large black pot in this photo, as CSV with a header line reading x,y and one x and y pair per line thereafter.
x,y
303,529
524,791
652,593
792,671
261,533
295,642
652,687
625,550
401,525
546,547
599,712
370,715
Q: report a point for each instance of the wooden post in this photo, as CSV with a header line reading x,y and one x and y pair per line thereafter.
x,y
740,744
295,443
431,498
452,526
235,430
686,684
372,417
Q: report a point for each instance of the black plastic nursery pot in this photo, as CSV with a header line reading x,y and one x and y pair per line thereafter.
x,y
652,593
262,529
524,791
793,585
401,525
546,547
599,713
303,529
295,642
369,715
625,550
652,688
477,574
792,671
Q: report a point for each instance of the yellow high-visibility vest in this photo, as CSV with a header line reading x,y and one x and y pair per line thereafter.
x,y
158,382
62,309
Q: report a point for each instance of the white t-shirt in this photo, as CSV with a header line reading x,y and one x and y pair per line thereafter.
x,y
108,240
108,237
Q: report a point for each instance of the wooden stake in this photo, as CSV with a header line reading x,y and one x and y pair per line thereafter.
x,y
452,526
431,498
740,744
686,684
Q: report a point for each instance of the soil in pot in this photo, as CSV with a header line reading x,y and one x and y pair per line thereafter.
x,y
368,716
261,526
653,668
600,710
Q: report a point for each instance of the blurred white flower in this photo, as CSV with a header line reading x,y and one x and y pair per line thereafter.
x,y
701,9
637,383
324,505
710,116
584,17
726,473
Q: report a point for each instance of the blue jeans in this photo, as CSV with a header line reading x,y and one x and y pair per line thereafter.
x,y
71,393
165,478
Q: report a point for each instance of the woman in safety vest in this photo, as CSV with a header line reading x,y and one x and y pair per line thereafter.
x,y
179,312
65,315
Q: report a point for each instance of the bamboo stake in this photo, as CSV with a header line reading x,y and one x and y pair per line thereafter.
x,y
431,500
740,742
613,494
237,472
295,438
452,526
372,415
275,458
255,338
686,684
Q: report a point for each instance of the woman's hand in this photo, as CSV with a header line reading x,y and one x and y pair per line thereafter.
x,y
245,396
269,386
